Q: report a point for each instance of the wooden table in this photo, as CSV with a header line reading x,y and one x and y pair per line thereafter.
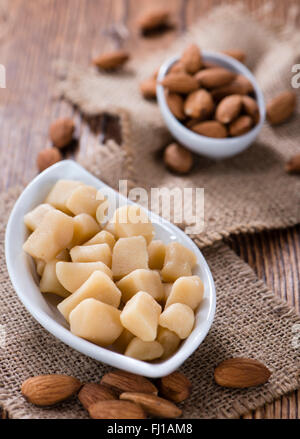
x,y
36,32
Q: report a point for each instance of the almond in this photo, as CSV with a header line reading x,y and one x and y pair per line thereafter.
x,y
93,392
229,108
46,390
153,405
148,88
240,85
240,126
122,381
177,67
47,157
116,410
111,60
178,159
61,132
214,77
237,54
153,19
293,165
180,82
210,128
199,104
175,103
241,373
281,107
175,387
192,59
250,107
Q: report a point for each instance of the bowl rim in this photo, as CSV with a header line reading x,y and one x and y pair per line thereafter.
x,y
236,66
98,353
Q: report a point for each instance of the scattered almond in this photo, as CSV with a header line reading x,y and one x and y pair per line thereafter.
x,y
61,132
199,104
178,159
180,82
111,60
210,128
175,103
93,392
241,373
175,387
293,165
116,410
214,77
46,390
153,405
240,126
237,54
122,381
153,19
47,157
148,88
281,107
229,108
191,59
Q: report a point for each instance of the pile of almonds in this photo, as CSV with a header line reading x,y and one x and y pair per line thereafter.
x,y
123,395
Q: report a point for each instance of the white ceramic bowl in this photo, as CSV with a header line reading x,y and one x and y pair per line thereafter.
x,y
23,275
210,147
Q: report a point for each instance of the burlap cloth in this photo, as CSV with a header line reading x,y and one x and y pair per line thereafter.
x,y
247,193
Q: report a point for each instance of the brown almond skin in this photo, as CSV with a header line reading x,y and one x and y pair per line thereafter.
x,y
240,85
177,67
148,88
61,132
111,60
153,405
122,381
241,373
180,82
281,107
178,159
116,410
47,390
293,165
175,103
236,54
199,105
153,19
214,77
192,59
176,387
229,108
47,157
210,128
93,392
240,126
250,107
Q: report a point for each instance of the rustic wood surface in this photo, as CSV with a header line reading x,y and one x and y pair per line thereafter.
x,y
35,33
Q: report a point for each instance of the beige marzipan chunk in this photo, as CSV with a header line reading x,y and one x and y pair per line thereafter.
x,y
73,274
188,290
98,286
157,251
49,282
92,253
132,220
141,280
169,341
84,199
53,234
179,261
144,350
129,254
178,318
60,193
140,316
33,218
96,322
85,226
102,237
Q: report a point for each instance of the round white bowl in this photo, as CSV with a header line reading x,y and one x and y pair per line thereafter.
x,y
208,146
